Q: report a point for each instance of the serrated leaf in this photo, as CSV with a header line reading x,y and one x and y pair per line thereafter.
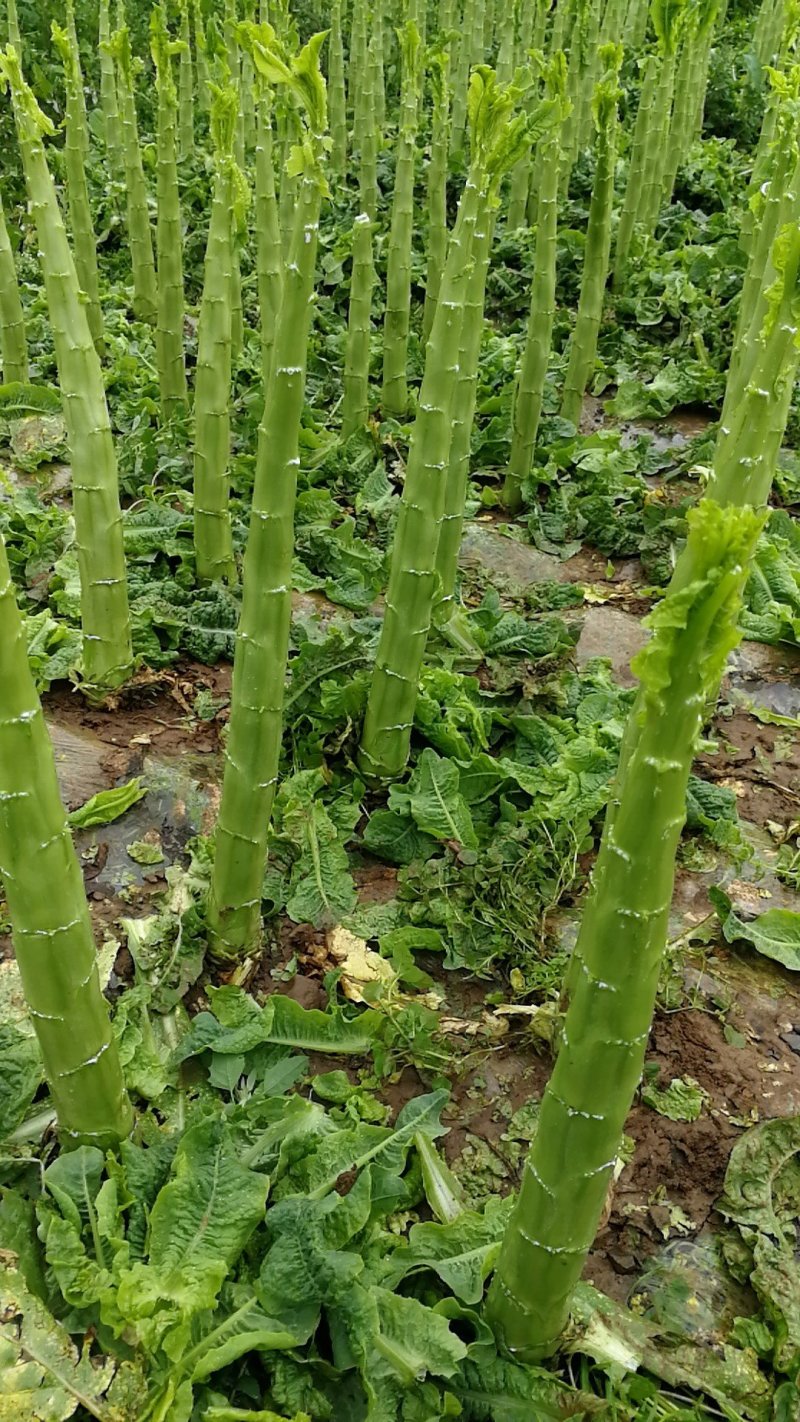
x,y
434,800
18,400
20,1075
462,1252
42,1375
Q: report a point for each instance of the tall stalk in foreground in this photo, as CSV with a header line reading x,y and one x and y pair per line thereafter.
x,y
583,349
201,56
13,339
398,271
12,17
169,233
213,541
140,236
529,392
112,126
439,69
613,977
80,213
50,924
497,141
105,619
262,643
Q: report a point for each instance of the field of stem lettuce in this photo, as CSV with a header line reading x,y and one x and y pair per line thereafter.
x,y
399,710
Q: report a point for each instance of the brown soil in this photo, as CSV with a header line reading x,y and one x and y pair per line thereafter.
x,y
760,763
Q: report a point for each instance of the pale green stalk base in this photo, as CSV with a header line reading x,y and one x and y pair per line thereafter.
x,y
355,403
47,906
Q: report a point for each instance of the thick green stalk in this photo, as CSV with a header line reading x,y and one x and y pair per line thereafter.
x,y
368,136
633,188
212,524
201,57
357,60
655,150
617,959
50,923
478,51
583,349
13,340
463,412
377,59
636,22
613,23
394,398
14,36
80,214
269,252
337,94
529,392
582,73
508,41
140,235
439,63
768,27
105,619
247,89
169,230
461,78
186,87
112,126
563,16
259,673
355,404
520,183
496,144
82,126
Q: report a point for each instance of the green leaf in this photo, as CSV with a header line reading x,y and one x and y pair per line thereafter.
x,y
107,805
18,400
501,1391
414,1340
199,1225
775,934
390,1148
20,1075
442,1190
682,1100
142,852
462,1252
396,838
433,798
42,1376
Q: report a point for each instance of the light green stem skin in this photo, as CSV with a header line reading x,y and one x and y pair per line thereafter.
x,y
617,958
185,87
13,340
80,214
536,355
478,53
169,243
368,137
461,78
201,57
14,36
636,174
47,905
656,147
613,24
105,619
377,59
112,127
636,23
269,252
256,726
683,109
413,579
506,51
397,320
80,96
287,197
355,404
463,415
357,60
521,175
337,97
237,309
140,235
768,31
248,104
582,72
212,523
437,188
563,16
583,349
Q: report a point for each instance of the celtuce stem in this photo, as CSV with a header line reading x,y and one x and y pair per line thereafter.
x,y
269,256
583,350
51,929
262,643
76,147
140,235
398,272
437,185
13,340
112,126
105,619
212,523
616,962
169,231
